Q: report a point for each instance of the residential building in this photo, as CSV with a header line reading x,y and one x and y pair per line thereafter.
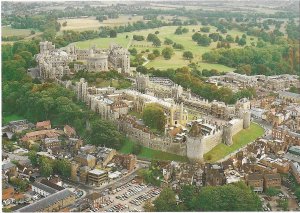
x,y
86,160
43,125
256,181
52,203
69,131
272,180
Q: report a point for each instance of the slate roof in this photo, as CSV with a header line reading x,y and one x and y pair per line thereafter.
x,y
52,185
47,201
44,187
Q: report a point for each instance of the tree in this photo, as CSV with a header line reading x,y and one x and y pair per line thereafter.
x,y
168,41
188,55
154,117
33,157
46,167
167,52
242,42
156,52
62,167
178,46
112,33
104,133
205,29
151,56
220,198
22,185
149,207
186,195
156,42
166,201
133,51
137,148
297,193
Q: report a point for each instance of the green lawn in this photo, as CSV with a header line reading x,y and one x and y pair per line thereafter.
x,y
151,153
177,60
242,138
7,118
8,31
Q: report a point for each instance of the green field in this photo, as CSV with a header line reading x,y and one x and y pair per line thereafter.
x,y
7,118
168,32
151,153
8,31
242,138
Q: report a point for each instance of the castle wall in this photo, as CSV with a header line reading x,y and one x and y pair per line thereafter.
x,y
237,125
210,141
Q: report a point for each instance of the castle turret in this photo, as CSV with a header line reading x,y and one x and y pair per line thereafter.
x,y
227,134
246,119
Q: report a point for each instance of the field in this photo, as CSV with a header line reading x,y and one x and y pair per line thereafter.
x,y
168,32
8,31
90,23
151,153
239,140
7,118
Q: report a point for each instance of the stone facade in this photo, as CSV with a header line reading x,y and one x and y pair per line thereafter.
x,y
54,63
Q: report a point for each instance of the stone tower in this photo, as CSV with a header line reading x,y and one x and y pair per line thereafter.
x,y
142,82
246,119
194,145
227,134
74,169
81,90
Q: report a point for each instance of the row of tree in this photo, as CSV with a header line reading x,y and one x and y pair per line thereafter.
x,y
194,80
269,60
231,197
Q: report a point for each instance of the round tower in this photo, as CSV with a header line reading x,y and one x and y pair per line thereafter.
x,y
246,119
194,148
227,134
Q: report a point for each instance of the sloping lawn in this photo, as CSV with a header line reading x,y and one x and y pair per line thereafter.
x,y
151,153
242,138
8,118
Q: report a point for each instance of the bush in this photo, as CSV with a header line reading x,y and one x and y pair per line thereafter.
x,y
138,38
151,56
272,191
156,52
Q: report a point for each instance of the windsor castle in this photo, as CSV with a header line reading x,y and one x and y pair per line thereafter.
x,y
184,135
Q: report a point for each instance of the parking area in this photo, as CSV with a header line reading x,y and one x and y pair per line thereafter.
x,y
129,197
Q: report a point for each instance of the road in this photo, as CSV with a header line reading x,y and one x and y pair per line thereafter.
x,y
146,62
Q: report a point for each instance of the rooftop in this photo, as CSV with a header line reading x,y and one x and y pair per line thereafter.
x,y
48,201
97,172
